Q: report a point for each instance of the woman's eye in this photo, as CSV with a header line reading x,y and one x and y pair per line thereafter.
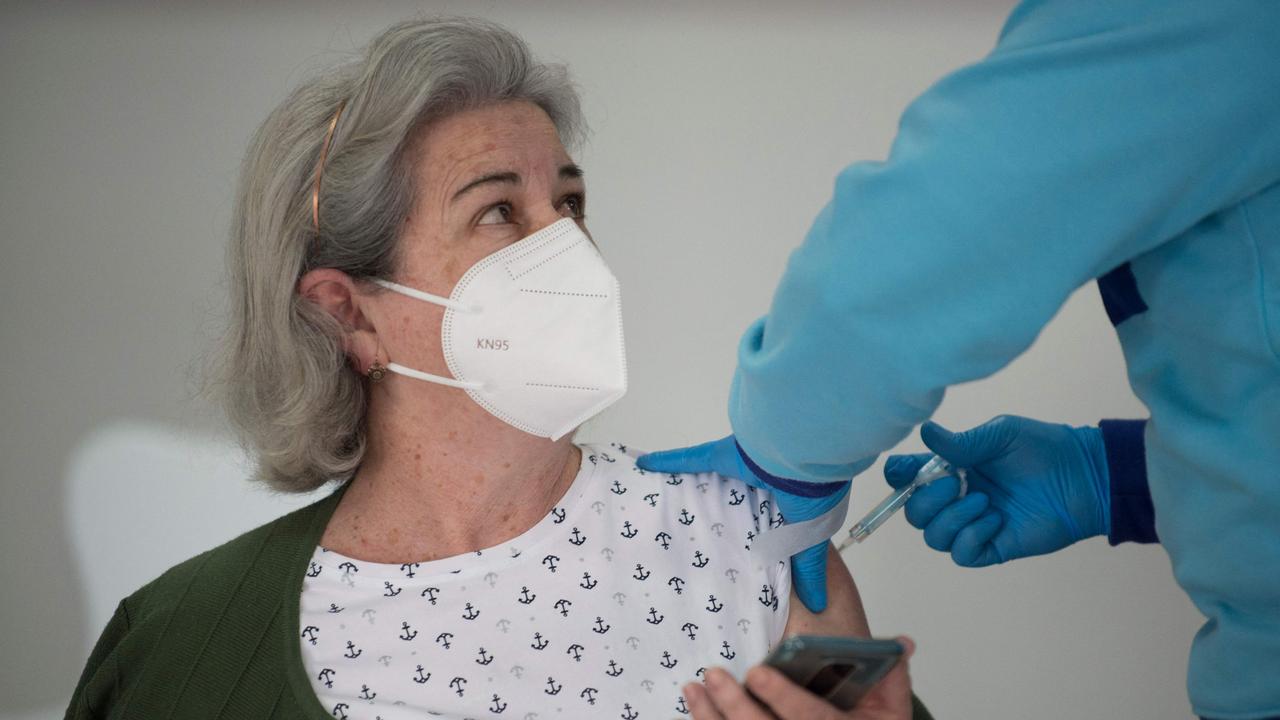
x,y
497,215
574,207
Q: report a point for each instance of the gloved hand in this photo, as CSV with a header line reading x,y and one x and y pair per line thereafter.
x,y
1034,488
799,501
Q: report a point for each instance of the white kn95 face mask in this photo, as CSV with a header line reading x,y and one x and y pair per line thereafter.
x,y
533,332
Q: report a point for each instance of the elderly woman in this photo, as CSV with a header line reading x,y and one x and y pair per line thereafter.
x,y
421,318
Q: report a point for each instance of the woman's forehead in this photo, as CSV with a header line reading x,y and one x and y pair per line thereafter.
x,y
507,136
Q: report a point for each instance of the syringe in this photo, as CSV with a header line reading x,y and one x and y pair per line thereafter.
x,y
932,470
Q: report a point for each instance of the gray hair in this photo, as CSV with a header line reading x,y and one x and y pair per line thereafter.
x,y
282,375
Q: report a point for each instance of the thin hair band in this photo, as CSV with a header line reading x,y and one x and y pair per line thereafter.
x,y
324,153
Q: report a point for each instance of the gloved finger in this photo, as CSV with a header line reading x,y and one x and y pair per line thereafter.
x,y
971,447
973,546
941,531
809,576
707,457
901,469
929,500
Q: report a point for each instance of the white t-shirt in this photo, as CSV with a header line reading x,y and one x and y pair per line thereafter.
x,y
630,587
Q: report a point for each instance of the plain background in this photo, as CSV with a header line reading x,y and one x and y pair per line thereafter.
x,y
718,128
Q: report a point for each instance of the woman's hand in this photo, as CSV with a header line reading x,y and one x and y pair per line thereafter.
x,y
723,698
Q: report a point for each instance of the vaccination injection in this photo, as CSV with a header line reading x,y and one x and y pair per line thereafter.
x,y
932,470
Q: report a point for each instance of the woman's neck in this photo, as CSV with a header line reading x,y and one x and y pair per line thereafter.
x,y
441,479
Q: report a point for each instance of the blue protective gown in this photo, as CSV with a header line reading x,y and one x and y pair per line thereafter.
x,y
1139,140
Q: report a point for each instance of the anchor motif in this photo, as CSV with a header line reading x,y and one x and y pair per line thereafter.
x,y
365,694
690,629
681,707
652,499
491,578
598,507
628,531
503,624
620,598
443,639
667,661
420,678
348,568
309,632
385,660
607,553
641,573
768,597
589,694
553,688
647,685
587,583
484,659
732,574
550,561
727,653
471,613
391,590
633,642
340,711
701,672
458,683
764,507
776,521
558,514
498,706
408,568
702,487
664,538
352,652
614,670
714,606
677,584
628,713
368,614
333,608
518,671
525,597
735,497
743,624
314,569
699,560
578,538
674,479
576,651
407,635
685,518
654,618
617,488
430,594
563,606
326,677
538,643
718,529
600,628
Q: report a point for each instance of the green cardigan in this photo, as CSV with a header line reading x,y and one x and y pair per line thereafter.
x,y
216,636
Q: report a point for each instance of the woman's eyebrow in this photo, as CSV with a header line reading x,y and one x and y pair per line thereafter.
x,y
510,178
570,171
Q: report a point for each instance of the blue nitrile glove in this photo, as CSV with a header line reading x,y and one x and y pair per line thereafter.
x,y
798,500
1034,488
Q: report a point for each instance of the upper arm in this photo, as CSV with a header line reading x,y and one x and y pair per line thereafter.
x,y
844,615
1093,133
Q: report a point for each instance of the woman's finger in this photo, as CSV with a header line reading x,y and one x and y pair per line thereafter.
x,y
700,705
731,699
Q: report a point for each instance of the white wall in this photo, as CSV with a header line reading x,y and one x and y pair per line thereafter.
x,y
718,128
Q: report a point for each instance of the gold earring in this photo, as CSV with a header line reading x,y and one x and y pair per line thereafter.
x,y
376,372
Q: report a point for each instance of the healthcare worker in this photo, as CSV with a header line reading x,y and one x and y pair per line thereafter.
x,y
1136,143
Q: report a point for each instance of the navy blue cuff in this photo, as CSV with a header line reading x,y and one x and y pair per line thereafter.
x,y
1133,518
787,485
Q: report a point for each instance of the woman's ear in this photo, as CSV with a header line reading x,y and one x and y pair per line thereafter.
x,y
334,292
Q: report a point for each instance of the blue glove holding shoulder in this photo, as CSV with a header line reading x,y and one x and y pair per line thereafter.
x,y
798,500
1034,488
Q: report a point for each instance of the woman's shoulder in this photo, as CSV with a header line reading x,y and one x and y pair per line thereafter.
x,y
722,503
264,556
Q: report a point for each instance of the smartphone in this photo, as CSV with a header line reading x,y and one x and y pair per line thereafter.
x,y
840,670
